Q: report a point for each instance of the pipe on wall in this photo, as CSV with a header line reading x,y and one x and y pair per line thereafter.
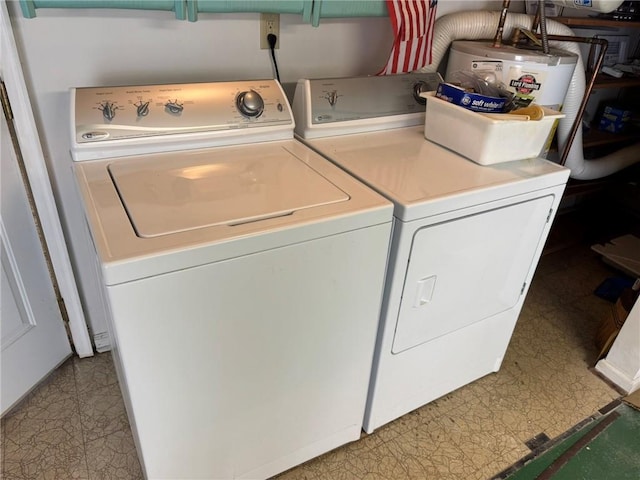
x,y
478,25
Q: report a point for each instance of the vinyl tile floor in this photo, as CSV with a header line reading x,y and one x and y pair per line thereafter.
x,y
74,425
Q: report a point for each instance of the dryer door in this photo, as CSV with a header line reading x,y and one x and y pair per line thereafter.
x,y
467,269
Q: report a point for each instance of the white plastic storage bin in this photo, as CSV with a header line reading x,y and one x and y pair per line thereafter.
x,y
485,139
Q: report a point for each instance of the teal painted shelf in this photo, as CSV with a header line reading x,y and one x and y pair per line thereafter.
x,y
29,7
310,10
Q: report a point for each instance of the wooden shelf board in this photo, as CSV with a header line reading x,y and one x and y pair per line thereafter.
x,y
596,22
597,138
606,81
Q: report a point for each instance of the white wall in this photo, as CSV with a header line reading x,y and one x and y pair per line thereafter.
x,y
61,49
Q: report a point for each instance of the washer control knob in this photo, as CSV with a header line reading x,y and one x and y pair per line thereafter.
x,y
108,110
418,88
250,103
174,107
142,109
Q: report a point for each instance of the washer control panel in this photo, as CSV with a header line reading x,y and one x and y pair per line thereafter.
x,y
113,113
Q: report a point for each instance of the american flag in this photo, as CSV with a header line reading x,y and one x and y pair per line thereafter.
x,y
412,22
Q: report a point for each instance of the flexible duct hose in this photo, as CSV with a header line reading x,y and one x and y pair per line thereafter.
x,y
478,25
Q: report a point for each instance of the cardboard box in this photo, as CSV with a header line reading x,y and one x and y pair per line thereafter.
x,y
616,49
613,322
614,119
483,138
550,9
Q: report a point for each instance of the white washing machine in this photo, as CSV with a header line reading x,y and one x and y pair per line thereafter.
x,y
466,238
243,273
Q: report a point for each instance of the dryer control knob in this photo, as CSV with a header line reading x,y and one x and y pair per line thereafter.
x,y
418,88
250,104
108,110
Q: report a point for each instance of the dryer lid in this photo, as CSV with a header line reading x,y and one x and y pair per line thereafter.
x,y
425,179
177,192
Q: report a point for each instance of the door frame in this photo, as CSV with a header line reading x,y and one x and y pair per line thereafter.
x,y
11,73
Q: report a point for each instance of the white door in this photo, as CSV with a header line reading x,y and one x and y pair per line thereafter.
x,y
32,334
33,156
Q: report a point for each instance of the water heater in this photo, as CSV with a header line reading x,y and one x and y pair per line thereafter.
x,y
530,74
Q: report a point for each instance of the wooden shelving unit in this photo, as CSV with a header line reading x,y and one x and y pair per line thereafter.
x,y
603,80
595,137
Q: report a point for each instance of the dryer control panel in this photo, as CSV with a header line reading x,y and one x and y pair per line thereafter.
x,y
340,106
129,112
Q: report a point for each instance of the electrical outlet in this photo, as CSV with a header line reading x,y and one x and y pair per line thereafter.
x,y
269,23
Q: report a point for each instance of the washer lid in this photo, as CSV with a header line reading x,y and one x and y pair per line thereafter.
x,y
177,192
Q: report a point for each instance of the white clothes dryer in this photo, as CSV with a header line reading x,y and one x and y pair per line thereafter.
x,y
243,274
466,238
